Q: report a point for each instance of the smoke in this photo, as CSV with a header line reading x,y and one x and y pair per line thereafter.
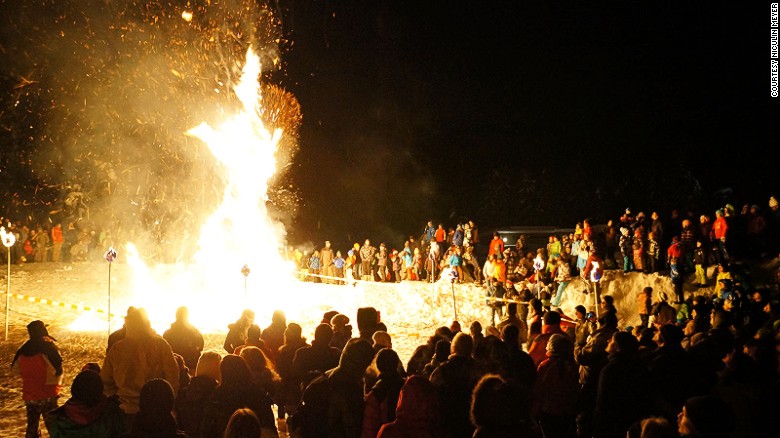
x,y
103,94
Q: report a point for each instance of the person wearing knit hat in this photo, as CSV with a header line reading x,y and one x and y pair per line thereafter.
x,y
39,362
705,416
88,412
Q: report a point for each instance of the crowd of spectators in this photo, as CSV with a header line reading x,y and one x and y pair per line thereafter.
x,y
708,371
705,365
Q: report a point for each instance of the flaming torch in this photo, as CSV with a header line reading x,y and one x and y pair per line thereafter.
x,y
110,256
8,241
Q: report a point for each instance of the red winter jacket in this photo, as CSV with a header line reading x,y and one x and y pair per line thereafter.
x,y
40,364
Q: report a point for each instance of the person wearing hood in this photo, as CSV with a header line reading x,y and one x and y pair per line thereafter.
x,y
88,412
39,362
142,355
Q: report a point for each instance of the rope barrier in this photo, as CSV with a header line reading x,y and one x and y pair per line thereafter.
x,y
59,304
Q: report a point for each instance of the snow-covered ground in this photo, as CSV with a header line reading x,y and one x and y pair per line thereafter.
x,y
411,310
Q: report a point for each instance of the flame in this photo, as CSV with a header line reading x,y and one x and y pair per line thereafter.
x,y
237,238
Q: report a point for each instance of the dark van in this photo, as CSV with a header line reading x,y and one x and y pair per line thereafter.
x,y
535,237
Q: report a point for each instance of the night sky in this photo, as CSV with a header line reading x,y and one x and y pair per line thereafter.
x,y
501,112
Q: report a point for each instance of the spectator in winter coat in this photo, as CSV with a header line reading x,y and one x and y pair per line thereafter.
x,y
653,253
517,366
382,398
672,372
291,392
623,395
236,390
557,389
551,326
88,412
719,234
417,413
273,335
455,379
155,416
423,354
191,401
57,239
342,331
499,409
39,362
457,237
185,338
626,249
592,357
319,356
326,260
332,405
131,362
584,326
366,254
237,332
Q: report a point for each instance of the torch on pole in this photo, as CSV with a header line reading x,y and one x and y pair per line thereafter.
x,y
8,241
110,256
245,271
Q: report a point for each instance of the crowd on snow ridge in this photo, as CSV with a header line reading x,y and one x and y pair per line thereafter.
x,y
678,246
708,371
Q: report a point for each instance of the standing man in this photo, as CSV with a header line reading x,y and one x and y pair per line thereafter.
x,y
429,232
441,235
185,339
39,362
366,258
57,239
381,262
433,260
327,268
141,356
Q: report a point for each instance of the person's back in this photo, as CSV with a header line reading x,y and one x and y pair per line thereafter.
x,y
417,414
623,395
184,338
131,362
454,380
191,401
319,356
39,363
273,335
332,404
237,390
88,412
155,416
382,398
